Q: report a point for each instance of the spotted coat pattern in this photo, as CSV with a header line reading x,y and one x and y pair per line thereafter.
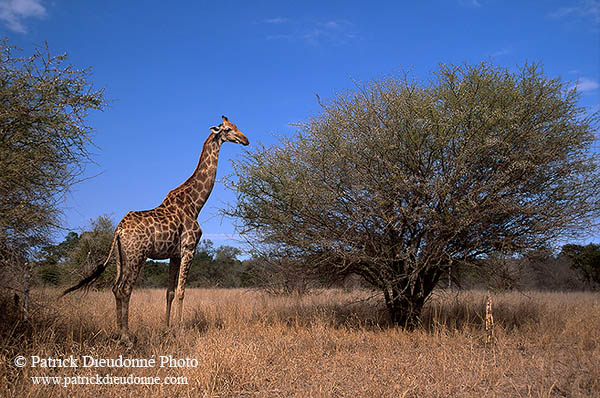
x,y
169,231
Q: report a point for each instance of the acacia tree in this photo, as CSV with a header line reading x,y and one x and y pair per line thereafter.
x,y
44,140
398,181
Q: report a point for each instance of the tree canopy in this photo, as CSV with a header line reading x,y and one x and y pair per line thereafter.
x,y
44,142
397,180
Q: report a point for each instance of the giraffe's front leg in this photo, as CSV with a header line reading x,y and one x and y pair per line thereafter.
x,y
189,241
173,275
186,261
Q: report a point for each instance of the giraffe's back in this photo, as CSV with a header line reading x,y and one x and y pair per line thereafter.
x,y
150,234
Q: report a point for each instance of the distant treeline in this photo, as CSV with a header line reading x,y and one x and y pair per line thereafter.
x,y
78,254
574,267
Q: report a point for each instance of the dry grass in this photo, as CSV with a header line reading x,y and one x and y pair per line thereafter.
x,y
249,344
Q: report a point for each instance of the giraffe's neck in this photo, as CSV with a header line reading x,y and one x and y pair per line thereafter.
x,y
191,196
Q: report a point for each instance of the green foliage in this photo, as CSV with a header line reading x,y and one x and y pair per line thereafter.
x,y
154,274
78,255
210,268
92,248
398,181
54,254
50,274
44,142
51,259
215,267
586,259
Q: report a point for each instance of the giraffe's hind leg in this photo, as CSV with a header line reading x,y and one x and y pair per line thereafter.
x,y
118,296
119,305
122,291
122,306
173,275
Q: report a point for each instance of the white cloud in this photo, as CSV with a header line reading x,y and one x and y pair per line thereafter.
x,y
12,13
280,37
500,53
276,20
585,84
335,32
581,9
469,3
332,25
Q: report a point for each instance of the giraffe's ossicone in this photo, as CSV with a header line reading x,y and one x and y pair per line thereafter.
x,y
169,231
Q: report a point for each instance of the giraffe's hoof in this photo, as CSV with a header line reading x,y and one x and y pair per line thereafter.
x,y
128,341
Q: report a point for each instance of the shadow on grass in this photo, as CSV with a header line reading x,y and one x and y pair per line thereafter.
x,y
458,312
466,311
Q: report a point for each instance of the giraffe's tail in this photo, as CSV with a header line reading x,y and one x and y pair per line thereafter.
x,y
86,282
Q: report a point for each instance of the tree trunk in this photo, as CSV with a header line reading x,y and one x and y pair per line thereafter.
x,y
405,311
26,287
405,303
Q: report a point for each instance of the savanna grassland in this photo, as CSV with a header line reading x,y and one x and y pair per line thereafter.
x,y
331,343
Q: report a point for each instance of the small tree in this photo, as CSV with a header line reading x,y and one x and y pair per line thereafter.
x,y
44,143
51,259
586,260
92,249
398,181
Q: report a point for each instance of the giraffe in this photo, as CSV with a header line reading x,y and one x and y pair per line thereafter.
x,y
169,231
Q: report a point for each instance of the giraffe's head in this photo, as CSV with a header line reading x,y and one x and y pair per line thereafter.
x,y
228,132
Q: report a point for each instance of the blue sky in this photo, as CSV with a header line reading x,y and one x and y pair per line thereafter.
x,y
171,69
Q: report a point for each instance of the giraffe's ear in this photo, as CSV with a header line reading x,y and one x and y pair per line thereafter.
x,y
214,129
